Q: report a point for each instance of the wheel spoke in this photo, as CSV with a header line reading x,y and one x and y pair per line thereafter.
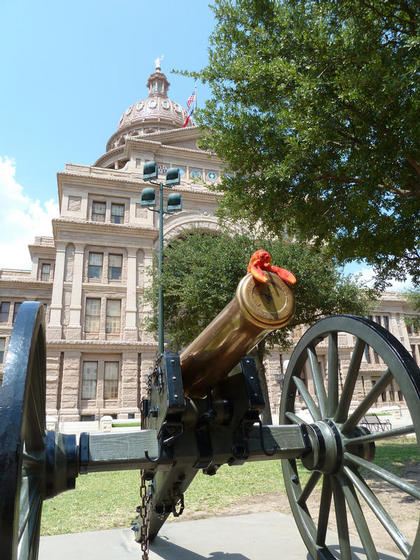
x,y
27,546
307,398
34,422
318,380
324,511
332,373
294,418
384,475
29,502
367,402
341,518
359,518
33,427
404,430
350,382
32,462
379,511
309,486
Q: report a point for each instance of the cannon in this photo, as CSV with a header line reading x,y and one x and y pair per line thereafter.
x,y
203,411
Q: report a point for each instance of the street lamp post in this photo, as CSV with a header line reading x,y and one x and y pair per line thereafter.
x,y
174,204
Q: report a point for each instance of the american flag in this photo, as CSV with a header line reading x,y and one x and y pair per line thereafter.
x,y
191,99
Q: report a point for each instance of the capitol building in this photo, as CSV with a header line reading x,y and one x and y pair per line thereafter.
x,y
91,275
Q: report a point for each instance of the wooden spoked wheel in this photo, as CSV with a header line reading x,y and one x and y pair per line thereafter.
x,y
22,432
339,491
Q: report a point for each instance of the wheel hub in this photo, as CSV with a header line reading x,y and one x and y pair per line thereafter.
x,y
325,447
364,450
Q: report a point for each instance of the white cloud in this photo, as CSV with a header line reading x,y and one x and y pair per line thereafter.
x,y
21,218
366,275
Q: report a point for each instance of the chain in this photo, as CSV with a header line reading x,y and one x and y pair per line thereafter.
x,y
144,509
144,514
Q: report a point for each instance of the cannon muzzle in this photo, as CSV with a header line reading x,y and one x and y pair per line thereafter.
x,y
256,310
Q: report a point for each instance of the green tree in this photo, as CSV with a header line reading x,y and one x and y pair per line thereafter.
x,y
315,110
201,273
413,298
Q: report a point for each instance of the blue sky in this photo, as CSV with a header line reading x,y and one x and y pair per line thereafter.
x,y
68,72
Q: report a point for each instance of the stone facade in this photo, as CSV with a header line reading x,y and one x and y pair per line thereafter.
x,y
390,312
92,273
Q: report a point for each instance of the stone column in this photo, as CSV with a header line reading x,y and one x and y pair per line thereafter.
x,y
70,386
148,262
401,332
132,219
102,320
130,385
52,385
54,330
130,330
272,372
74,330
84,206
35,261
100,381
147,337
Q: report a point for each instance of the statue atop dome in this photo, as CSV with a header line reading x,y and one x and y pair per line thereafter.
x,y
158,61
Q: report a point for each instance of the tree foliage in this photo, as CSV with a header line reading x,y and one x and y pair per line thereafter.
x,y
315,110
413,298
201,273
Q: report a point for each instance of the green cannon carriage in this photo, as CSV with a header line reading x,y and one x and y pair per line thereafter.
x,y
203,410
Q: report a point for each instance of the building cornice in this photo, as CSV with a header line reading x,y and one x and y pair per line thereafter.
x,y
130,185
17,271
120,230
187,133
159,148
104,288
133,126
95,346
166,149
25,283
108,154
45,250
198,193
392,296
100,175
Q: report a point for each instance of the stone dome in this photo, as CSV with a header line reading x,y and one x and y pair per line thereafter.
x,y
154,114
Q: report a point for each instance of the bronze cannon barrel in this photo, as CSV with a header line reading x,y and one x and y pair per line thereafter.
x,y
256,310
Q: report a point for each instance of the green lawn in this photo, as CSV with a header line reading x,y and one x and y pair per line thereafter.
x,y
106,500
395,454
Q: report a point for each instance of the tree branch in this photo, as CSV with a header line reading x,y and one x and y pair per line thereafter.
x,y
360,180
387,17
341,178
413,164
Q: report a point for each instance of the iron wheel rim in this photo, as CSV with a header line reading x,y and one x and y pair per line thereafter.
x,y
22,432
339,487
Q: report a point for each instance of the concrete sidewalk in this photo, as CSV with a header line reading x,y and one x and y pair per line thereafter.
x,y
259,536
